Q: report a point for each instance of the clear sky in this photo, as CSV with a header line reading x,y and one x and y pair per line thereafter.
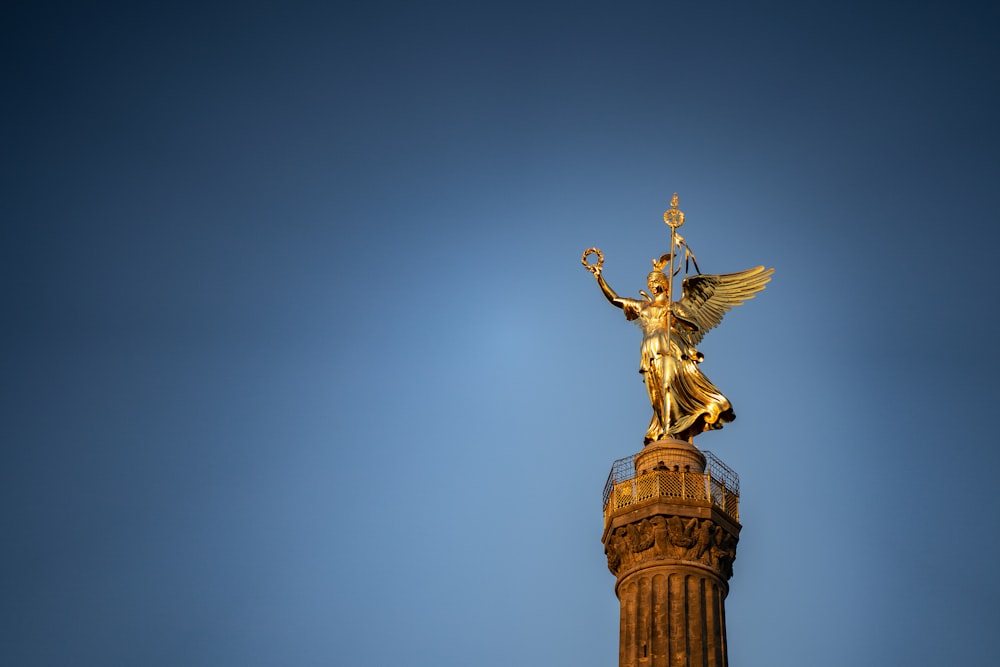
x,y
300,366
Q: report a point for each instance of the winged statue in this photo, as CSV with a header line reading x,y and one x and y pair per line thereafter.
x,y
685,403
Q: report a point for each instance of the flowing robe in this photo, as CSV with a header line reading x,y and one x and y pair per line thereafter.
x,y
684,401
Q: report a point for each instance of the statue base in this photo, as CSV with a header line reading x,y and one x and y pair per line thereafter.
x,y
670,454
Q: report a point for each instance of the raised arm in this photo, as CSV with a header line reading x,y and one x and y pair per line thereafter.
x,y
630,306
609,293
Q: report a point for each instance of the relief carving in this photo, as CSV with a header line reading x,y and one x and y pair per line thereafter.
x,y
658,537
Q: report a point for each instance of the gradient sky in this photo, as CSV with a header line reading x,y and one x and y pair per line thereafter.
x,y
300,366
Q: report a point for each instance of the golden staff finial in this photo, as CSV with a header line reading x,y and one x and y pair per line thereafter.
x,y
674,216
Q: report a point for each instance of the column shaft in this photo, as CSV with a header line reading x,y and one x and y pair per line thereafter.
x,y
671,618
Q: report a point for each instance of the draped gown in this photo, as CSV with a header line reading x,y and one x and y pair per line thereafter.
x,y
669,367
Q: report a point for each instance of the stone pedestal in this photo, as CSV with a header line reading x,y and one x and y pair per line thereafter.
x,y
671,547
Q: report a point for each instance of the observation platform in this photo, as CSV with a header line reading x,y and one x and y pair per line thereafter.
x,y
631,485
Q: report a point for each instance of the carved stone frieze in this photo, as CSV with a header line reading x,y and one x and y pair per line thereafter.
x,y
672,537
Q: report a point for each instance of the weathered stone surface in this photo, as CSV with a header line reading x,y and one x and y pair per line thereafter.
x,y
669,537
672,561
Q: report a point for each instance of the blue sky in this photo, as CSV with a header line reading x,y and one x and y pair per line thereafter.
x,y
301,368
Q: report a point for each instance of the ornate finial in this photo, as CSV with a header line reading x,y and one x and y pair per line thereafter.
x,y
674,216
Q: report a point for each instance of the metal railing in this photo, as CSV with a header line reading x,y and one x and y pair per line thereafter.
x,y
718,485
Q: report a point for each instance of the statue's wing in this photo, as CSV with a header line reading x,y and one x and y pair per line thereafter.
x,y
706,299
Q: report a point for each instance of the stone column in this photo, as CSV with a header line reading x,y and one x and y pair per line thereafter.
x,y
671,550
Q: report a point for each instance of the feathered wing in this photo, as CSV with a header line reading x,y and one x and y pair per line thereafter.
x,y
706,298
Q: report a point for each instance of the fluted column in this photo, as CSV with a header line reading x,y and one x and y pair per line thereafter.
x,y
672,558
672,618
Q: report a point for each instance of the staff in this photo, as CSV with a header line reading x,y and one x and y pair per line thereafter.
x,y
674,218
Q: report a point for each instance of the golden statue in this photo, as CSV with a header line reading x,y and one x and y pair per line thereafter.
x,y
685,402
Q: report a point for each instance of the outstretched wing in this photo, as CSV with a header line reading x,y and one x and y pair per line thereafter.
x,y
706,299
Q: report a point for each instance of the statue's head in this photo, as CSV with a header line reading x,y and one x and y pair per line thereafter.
x,y
657,282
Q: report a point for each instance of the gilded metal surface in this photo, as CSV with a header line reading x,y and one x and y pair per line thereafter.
x,y
684,401
593,268
673,216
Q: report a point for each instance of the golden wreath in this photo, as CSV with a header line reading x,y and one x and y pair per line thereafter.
x,y
593,268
